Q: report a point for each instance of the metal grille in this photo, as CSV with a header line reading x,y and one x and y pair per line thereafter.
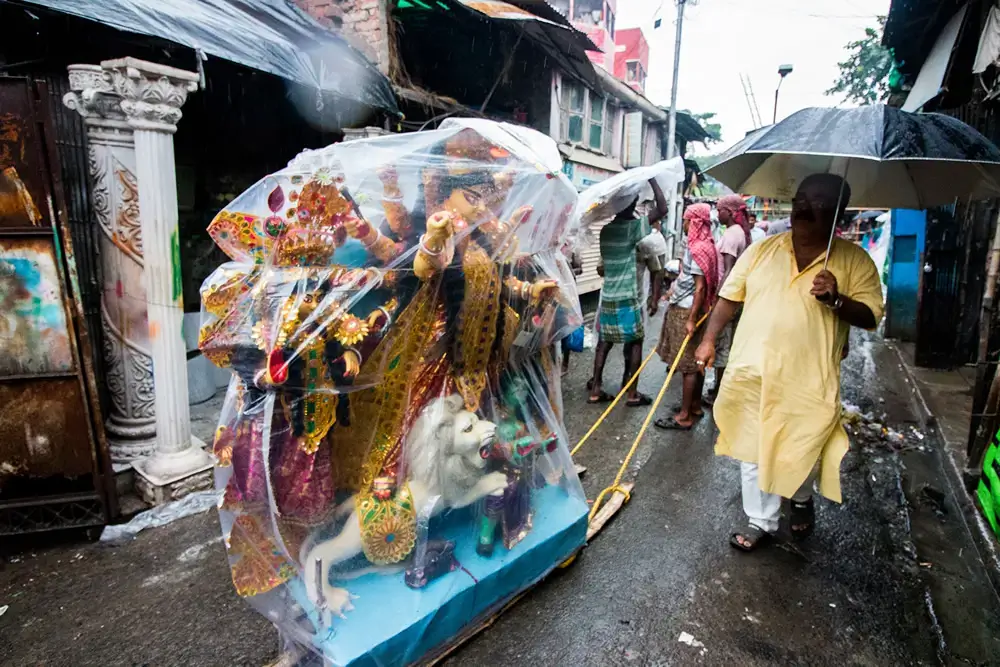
x,y
71,143
48,513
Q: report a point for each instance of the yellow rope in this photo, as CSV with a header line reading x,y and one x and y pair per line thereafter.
x,y
612,405
616,485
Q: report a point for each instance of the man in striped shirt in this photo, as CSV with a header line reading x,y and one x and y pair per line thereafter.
x,y
620,313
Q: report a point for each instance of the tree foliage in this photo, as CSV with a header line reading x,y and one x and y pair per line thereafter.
x,y
714,130
864,76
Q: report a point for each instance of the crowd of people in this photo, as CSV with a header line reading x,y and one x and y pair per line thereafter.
x,y
769,307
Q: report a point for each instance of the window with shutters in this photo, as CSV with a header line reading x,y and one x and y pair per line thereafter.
x,y
610,122
596,122
573,111
634,73
587,118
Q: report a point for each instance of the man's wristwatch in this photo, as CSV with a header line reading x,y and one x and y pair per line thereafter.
x,y
836,303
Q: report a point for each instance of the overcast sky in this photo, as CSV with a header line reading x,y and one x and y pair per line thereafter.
x,y
724,38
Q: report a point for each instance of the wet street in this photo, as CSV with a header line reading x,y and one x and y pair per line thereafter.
x,y
890,577
661,585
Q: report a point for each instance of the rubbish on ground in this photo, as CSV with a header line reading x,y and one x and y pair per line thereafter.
x,y
194,503
850,414
3,609
685,638
871,431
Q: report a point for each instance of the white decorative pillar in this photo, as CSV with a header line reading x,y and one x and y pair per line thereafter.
x,y
151,97
131,423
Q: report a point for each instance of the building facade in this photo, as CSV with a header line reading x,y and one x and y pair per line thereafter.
x,y
632,58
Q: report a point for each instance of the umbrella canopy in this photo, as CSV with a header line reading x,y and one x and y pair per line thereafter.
x,y
892,158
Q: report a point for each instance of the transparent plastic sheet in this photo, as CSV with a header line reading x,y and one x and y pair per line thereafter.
x,y
602,201
161,515
392,449
273,37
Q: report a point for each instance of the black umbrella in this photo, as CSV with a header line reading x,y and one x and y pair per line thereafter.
x,y
891,158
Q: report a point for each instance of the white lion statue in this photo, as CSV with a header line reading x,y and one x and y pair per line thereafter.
x,y
443,468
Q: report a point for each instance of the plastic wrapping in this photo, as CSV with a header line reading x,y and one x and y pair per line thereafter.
x,y
603,200
391,449
273,37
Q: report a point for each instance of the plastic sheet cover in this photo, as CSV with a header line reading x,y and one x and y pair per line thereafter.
x,y
392,449
603,200
267,35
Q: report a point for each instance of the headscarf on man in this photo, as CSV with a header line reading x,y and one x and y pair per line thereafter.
x,y
702,247
738,209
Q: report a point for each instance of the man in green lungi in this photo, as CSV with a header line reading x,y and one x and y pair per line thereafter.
x,y
620,318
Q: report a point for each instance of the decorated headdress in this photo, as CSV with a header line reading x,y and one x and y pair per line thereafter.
x,y
305,227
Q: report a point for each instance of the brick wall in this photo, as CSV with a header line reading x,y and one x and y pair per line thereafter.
x,y
361,22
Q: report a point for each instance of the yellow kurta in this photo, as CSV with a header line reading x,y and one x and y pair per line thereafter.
x,y
779,404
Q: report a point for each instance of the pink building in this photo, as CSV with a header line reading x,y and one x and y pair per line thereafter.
x,y
596,18
631,58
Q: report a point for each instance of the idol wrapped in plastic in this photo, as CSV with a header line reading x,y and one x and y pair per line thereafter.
x,y
392,450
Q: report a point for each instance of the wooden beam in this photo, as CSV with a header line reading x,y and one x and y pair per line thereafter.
x,y
610,508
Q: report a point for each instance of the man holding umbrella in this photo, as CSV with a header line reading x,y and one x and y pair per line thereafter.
x,y
778,412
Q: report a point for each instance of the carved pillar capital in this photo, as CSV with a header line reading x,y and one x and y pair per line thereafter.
x,y
93,98
151,95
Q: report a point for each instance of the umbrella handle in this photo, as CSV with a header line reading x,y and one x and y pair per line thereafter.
x,y
825,298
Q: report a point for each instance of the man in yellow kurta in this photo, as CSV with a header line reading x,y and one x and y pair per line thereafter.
x,y
778,409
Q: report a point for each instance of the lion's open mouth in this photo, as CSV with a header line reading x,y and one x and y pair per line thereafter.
x,y
487,446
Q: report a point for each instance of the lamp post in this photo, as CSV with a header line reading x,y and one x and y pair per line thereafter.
x,y
783,71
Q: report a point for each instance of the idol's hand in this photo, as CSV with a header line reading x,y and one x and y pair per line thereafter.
x,y
440,228
352,363
387,175
519,217
543,289
356,228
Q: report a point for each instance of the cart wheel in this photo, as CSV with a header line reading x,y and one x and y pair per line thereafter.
x,y
569,561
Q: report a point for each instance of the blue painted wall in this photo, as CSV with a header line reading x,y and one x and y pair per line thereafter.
x,y
905,270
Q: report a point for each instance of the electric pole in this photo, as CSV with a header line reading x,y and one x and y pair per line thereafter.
x,y
672,122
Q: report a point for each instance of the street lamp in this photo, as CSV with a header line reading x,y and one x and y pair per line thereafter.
x,y
783,71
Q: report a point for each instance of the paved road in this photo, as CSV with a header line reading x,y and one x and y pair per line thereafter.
x,y
854,594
